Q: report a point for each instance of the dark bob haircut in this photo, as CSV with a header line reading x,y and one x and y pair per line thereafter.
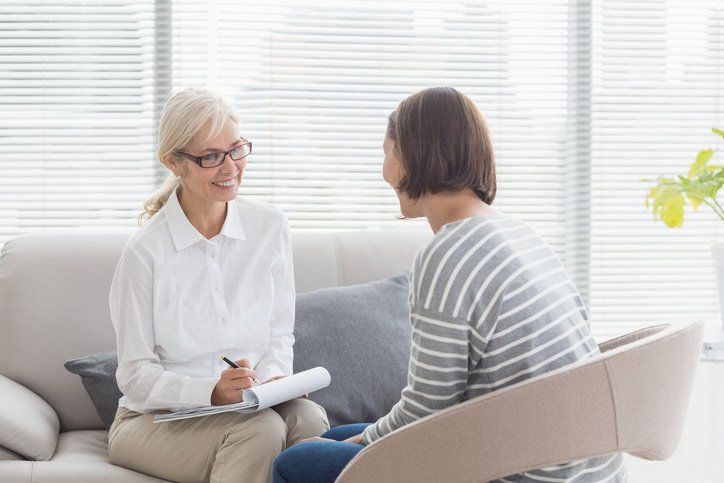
x,y
443,144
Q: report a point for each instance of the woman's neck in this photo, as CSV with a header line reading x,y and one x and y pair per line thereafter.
x,y
443,208
207,217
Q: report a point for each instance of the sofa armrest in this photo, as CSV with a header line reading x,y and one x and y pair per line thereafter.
x,y
28,425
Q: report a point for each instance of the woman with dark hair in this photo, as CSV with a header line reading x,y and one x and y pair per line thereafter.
x,y
491,304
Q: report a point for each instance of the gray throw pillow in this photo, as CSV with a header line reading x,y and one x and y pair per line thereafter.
x,y
98,373
361,334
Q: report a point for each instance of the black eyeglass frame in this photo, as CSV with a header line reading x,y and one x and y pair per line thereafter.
x,y
199,159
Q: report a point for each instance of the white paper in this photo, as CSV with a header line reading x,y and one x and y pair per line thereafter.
x,y
262,396
287,388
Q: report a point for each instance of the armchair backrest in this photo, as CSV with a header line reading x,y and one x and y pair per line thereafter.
x,y
632,398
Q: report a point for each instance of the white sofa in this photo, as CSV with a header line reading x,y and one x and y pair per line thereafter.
x,y
54,307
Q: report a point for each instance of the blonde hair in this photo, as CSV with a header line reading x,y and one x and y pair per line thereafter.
x,y
184,115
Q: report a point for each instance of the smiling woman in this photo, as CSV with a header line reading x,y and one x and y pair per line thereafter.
x,y
207,275
214,175
198,125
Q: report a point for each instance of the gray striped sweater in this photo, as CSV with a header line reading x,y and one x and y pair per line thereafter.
x,y
491,306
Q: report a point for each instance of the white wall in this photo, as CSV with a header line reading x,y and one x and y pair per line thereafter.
x,y
700,455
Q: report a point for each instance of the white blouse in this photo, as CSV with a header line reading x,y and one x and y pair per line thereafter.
x,y
179,302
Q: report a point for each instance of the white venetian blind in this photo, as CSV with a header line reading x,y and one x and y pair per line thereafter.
x,y
76,113
584,99
314,82
658,88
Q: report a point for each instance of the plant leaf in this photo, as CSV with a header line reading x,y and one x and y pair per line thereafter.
x,y
699,164
694,199
652,194
672,211
709,188
668,198
664,199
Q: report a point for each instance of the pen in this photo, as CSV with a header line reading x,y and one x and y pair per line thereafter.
x,y
236,366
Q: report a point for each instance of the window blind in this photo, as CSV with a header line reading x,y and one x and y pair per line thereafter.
x,y
658,72
76,113
584,100
314,82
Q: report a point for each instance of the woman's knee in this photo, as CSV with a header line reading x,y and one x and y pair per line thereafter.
x,y
345,431
304,419
121,440
314,413
266,431
318,461
290,458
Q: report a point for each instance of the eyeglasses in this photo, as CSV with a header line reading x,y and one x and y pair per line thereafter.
x,y
212,160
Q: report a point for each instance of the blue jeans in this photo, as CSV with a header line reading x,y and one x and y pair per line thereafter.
x,y
318,461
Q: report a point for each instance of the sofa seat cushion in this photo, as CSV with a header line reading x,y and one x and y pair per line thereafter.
x,y
83,445
80,456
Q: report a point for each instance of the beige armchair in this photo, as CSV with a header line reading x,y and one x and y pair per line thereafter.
x,y
632,398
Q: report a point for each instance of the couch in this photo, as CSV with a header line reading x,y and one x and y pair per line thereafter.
x,y
53,307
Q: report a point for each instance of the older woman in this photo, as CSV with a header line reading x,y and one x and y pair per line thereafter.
x,y
207,275
491,303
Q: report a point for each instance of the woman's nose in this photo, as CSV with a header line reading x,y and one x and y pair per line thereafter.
x,y
229,165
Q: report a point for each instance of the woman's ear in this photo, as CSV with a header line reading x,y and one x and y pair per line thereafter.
x,y
172,164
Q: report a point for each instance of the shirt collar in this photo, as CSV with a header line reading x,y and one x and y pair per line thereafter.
x,y
232,224
183,232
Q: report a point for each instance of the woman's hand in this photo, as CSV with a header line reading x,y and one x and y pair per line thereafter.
x,y
315,438
357,439
231,385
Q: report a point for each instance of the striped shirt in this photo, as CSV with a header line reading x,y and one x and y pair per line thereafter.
x,y
491,306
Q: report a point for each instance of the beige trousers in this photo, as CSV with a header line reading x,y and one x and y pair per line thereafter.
x,y
227,447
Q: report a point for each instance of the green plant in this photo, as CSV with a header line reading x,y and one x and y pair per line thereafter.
x,y
701,185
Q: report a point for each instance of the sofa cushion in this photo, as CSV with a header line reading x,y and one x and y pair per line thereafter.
x,y
28,425
361,334
98,373
82,456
